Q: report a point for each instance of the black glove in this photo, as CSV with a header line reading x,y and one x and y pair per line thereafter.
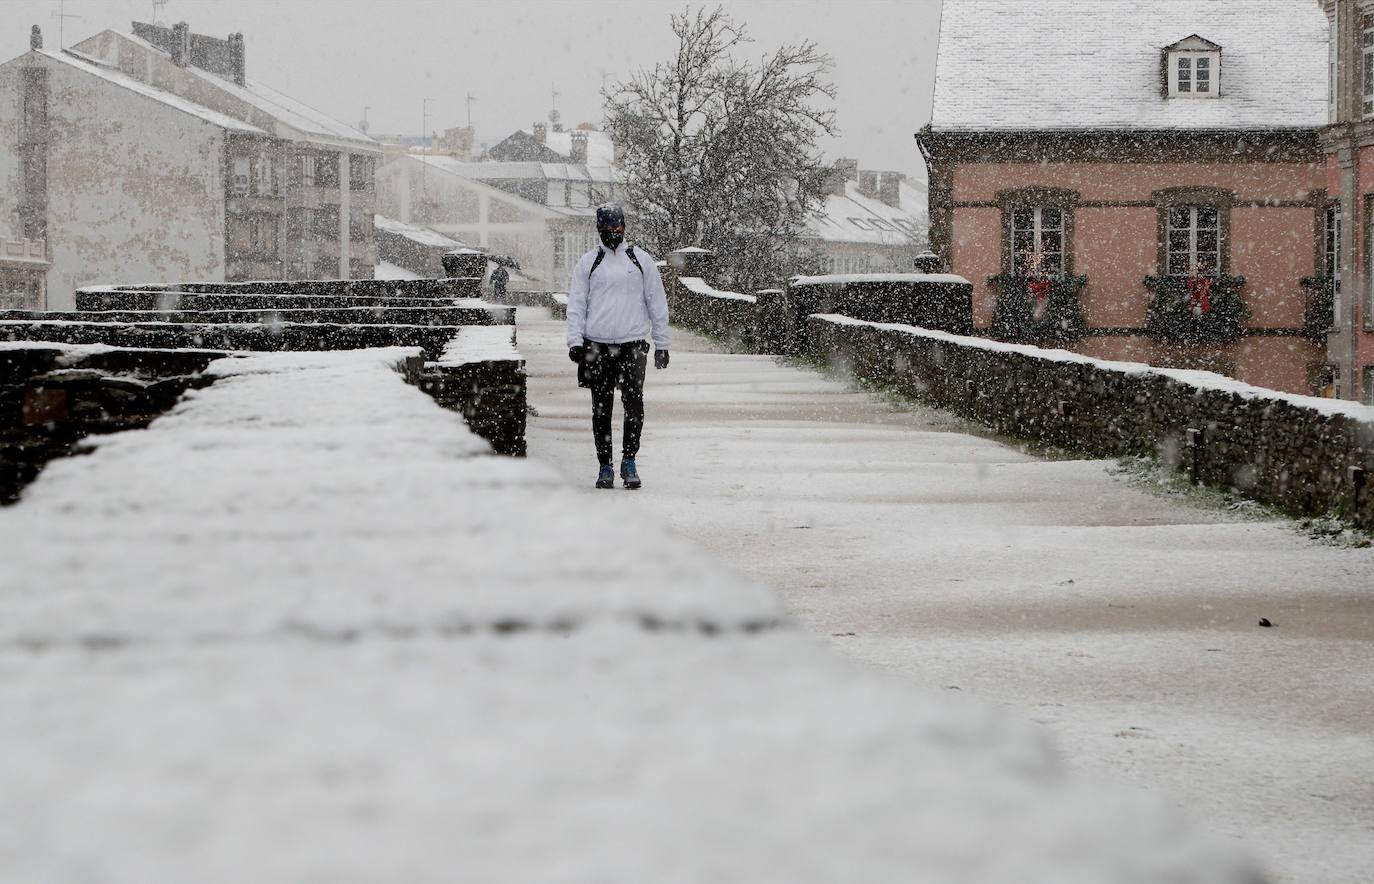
x,y
577,354
660,359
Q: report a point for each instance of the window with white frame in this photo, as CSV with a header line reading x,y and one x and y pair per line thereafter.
x,y
1193,243
1037,241
307,169
1367,65
1331,251
1369,385
1193,68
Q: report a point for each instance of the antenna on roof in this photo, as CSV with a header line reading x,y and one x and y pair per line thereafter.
x,y
62,15
158,6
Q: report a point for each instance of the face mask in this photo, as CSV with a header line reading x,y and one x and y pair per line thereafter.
x,y
611,237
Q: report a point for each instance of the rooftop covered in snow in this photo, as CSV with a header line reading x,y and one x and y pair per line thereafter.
x,y
1065,64
251,100
859,218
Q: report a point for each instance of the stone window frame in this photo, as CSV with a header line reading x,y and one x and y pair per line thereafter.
x,y
1178,197
1035,197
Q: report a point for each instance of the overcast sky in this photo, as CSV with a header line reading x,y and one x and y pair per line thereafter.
x,y
388,55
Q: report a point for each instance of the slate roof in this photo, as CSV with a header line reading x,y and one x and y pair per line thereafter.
x,y
1070,64
836,220
296,116
95,68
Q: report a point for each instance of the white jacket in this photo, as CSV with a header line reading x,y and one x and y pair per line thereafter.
x,y
619,304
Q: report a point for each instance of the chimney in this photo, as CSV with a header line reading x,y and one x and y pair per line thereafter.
x,y
835,180
181,44
541,131
889,188
868,184
238,59
36,38
579,147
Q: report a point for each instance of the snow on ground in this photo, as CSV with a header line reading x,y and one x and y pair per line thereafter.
x,y
387,270
303,628
1122,622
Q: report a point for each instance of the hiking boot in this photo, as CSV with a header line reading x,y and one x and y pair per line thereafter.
x,y
628,474
605,478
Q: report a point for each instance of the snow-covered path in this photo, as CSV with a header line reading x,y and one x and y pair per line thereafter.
x,y
306,627
1122,621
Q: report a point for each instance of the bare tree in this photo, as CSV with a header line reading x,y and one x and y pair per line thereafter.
x,y
721,152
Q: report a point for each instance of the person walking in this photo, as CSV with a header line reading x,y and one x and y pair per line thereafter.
x,y
499,277
615,299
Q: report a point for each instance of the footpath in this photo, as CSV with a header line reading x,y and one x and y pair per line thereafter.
x,y
1122,621
306,627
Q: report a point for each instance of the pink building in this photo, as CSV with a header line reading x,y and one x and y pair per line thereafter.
x,y
1142,182
1349,142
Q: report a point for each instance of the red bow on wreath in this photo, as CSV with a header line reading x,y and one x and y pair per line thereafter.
x,y
1040,292
1200,294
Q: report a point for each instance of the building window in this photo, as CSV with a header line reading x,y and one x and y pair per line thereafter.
x,y
327,268
300,225
360,226
362,173
1194,69
254,236
243,176
560,251
1037,241
305,168
327,170
327,223
1331,252
1193,241
1367,65
1368,397
265,183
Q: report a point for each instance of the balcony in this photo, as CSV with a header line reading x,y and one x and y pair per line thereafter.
x,y
1038,311
1196,309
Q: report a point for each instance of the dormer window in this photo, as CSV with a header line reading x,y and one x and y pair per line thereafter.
x,y
1193,68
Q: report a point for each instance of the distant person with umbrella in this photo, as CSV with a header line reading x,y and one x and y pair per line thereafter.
x,y
499,277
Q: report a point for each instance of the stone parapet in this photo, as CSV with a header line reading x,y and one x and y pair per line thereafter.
x,y
1307,455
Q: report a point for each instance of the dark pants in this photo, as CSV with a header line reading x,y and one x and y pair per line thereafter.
x,y
617,365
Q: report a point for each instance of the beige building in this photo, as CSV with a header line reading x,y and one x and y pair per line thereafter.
x,y
151,155
539,211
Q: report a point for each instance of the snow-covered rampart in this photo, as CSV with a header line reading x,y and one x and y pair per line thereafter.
x,y
693,303
1305,454
302,629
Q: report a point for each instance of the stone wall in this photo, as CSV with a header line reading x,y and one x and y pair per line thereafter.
x,y
52,397
481,375
1306,455
451,287
248,336
695,305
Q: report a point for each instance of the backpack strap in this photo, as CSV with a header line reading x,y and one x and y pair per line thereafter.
x,y
601,256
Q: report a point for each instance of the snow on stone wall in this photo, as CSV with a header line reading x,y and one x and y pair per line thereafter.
x,y
1297,452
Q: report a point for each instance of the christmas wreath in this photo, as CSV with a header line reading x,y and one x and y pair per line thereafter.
x,y
1195,309
1038,309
